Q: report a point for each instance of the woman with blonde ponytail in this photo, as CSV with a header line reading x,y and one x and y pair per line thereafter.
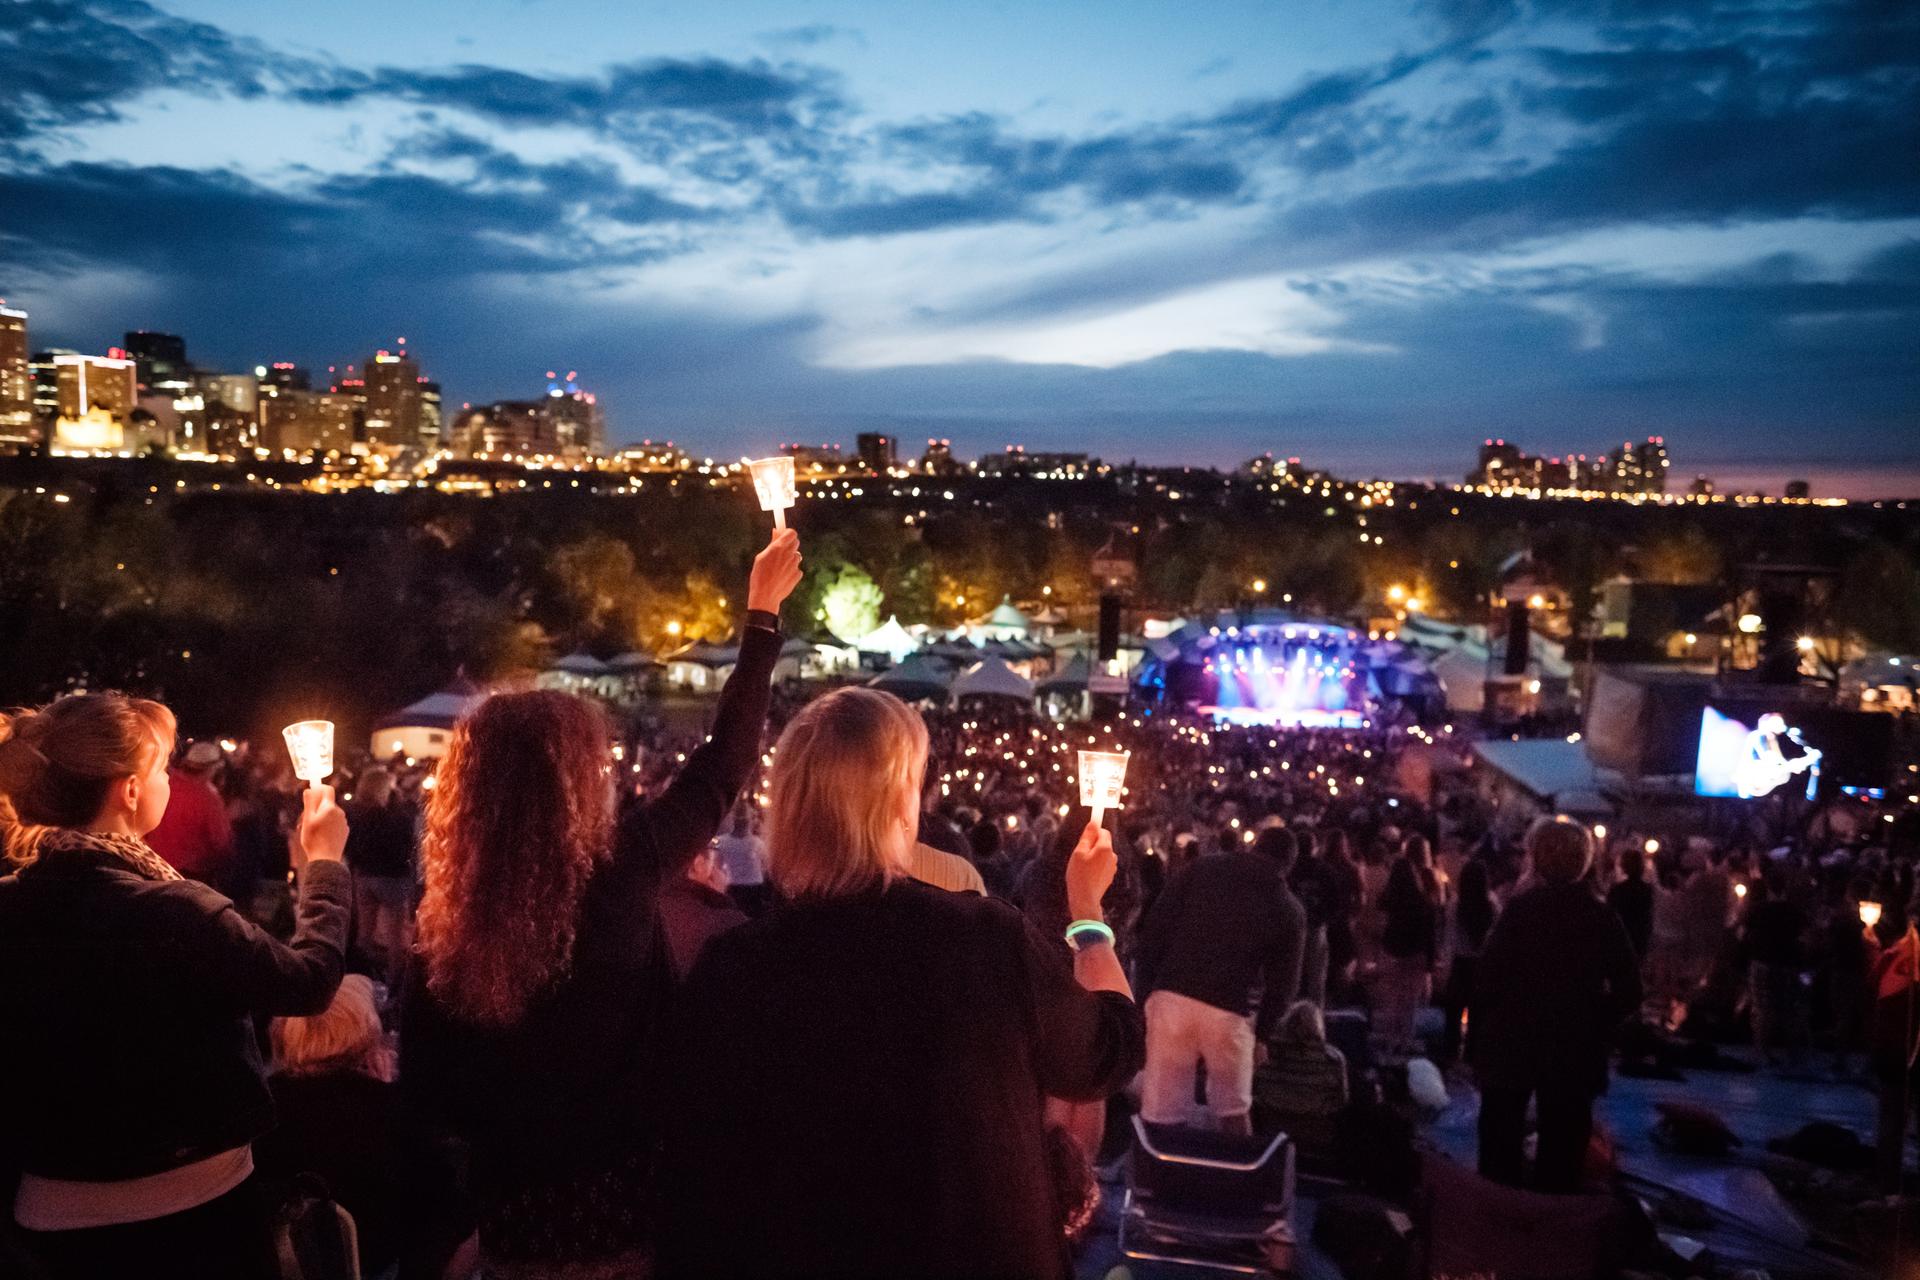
x,y
134,1082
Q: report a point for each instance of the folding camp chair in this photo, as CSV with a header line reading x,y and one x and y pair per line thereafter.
x,y
1208,1199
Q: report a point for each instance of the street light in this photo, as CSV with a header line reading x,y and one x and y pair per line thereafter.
x,y
1804,644
1396,593
1259,586
1750,624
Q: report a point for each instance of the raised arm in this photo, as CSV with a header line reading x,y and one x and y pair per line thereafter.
x,y
677,825
246,969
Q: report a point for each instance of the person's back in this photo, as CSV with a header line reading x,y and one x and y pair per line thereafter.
x,y
1557,977
194,836
859,1088
1214,933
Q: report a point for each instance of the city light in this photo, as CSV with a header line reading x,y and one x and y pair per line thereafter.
x,y
1750,624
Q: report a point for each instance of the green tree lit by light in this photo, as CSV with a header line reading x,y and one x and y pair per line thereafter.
x,y
851,600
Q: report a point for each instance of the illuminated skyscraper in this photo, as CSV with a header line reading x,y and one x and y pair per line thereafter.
x,y
16,379
95,382
876,451
432,421
576,425
160,359
393,400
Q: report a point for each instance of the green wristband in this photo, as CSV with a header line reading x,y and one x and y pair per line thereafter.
x,y
1081,928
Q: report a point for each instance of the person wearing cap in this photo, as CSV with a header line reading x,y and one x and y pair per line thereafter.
x,y
193,835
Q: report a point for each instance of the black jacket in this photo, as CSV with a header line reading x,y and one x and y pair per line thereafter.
x,y
128,1006
859,1086
565,1100
1556,980
1227,930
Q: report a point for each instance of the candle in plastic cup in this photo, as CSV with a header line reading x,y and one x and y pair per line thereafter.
x,y
1102,775
310,743
773,485
1869,914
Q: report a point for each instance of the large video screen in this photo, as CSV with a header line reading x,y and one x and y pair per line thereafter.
x,y
1749,750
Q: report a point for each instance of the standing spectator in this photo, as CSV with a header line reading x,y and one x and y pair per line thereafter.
x,y
744,855
695,909
1775,925
380,852
1895,1049
193,835
534,1005
1558,976
1227,928
1409,947
131,1063
1632,900
1470,919
860,1074
340,1120
1313,884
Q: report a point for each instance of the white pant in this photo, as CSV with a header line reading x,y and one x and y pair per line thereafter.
x,y
1182,1032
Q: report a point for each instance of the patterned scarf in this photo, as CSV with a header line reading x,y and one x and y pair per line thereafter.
x,y
131,851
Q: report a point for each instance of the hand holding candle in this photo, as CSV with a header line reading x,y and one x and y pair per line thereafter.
x,y
1869,914
1102,776
773,484
310,743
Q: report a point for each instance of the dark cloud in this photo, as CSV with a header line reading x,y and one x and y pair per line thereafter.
x,y
898,215
64,63
752,95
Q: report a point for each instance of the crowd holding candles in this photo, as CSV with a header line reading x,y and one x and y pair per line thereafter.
x,y
894,940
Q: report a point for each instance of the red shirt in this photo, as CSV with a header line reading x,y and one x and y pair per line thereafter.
x,y
193,834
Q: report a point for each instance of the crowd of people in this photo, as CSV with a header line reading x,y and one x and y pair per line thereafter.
x,y
581,1000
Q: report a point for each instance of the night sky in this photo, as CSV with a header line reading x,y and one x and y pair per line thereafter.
x,y
1365,233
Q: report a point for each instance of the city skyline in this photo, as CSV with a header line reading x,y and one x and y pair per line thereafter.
x,y
1366,234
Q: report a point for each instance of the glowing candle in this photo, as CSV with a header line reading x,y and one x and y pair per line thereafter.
x,y
1869,914
310,743
773,483
1102,775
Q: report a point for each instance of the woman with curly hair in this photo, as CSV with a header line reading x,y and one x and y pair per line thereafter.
x,y
531,1015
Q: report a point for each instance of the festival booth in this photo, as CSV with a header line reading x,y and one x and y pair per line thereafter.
x,y
918,678
1064,695
700,667
580,673
1544,776
829,657
1006,622
890,640
421,730
991,677
1882,682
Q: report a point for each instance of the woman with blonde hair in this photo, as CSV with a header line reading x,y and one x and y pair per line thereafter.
x,y
134,1081
861,1074
341,1122
531,1018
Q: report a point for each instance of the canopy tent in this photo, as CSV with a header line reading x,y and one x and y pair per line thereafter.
x,y
1070,679
991,677
701,666
1006,622
915,678
630,661
580,664
1555,773
891,639
421,729
960,650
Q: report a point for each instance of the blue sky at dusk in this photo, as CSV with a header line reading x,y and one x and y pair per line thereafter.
x,y
1364,233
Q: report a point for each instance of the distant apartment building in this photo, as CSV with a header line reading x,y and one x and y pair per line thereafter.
x,y
1015,460
16,380
877,452
392,388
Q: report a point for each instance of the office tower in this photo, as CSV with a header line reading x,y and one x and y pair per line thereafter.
x,y
938,460
86,383
432,423
876,452
16,379
393,400
576,424
158,358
